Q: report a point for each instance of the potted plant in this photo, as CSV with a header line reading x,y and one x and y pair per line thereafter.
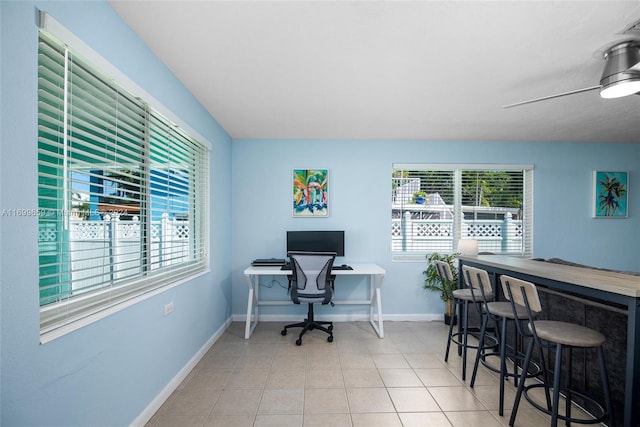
x,y
433,282
419,197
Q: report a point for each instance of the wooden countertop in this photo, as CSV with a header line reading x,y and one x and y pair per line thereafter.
x,y
618,283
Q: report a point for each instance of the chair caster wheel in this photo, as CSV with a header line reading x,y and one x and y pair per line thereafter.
x,y
283,332
330,338
299,342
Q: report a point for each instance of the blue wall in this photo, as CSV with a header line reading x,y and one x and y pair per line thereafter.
x,y
360,195
109,372
106,373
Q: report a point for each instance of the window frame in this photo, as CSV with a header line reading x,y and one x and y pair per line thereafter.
x,y
457,169
61,317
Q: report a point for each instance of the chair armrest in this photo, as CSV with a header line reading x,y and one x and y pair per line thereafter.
x,y
332,281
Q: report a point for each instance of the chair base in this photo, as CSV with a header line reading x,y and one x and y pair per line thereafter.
x,y
552,407
506,352
532,372
310,324
597,419
460,338
503,356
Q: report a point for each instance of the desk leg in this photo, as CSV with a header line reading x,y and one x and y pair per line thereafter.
x,y
252,302
376,303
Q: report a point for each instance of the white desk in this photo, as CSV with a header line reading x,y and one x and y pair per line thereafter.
x,y
374,271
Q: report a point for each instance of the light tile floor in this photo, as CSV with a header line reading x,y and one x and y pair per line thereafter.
x,y
358,380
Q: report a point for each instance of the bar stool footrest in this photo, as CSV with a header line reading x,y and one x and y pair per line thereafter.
x,y
458,337
604,415
510,374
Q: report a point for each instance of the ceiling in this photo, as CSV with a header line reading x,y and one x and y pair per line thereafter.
x,y
428,70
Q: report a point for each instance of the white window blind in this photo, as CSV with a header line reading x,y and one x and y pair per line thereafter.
x,y
434,206
122,193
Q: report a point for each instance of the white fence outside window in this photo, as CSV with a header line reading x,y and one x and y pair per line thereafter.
x,y
109,250
433,235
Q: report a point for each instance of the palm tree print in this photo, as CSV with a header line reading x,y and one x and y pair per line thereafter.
x,y
612,195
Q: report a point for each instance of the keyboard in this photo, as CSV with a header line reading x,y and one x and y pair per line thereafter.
x,y
287,266
268,261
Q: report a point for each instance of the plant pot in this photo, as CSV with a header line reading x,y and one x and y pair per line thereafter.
x,y
449,319
420,200
449,315
448,308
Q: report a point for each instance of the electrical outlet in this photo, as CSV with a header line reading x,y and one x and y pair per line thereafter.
x,y
168,308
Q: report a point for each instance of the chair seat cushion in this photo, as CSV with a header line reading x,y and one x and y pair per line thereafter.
x,y
568,333
314,300
504,309
465,295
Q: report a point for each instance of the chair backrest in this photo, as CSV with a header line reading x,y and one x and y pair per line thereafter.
x,y
521,292
444,271
311,276
478,280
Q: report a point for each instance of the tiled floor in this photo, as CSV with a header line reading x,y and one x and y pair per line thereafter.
x,y
358,380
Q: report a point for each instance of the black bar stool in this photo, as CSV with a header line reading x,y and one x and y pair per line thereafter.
x,y
500,313
556,335
465,297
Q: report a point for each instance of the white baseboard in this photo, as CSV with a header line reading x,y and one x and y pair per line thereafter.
x,y
157,402
426,317
362,317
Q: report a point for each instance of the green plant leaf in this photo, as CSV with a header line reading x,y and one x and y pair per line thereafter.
x,y
432,280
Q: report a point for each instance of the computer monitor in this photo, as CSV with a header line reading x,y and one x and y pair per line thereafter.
x,y
316,241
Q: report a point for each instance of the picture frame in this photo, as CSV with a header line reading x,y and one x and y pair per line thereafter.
x,y
610,194
310,193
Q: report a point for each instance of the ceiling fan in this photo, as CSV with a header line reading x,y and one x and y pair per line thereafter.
x,y
621,75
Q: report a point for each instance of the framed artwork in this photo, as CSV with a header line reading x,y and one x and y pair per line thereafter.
x,y
610,194
310,193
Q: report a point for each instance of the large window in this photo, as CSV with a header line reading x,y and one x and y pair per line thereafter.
x,y
122,193
434,206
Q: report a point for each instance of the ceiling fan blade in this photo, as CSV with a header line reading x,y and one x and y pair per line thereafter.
x,y
544,98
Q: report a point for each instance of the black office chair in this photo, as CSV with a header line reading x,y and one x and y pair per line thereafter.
x,y
311,282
